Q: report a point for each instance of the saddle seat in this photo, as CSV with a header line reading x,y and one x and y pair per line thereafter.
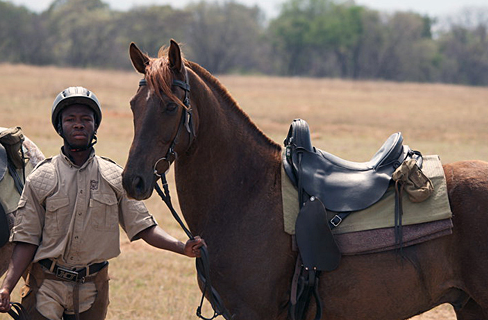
x,y
342,185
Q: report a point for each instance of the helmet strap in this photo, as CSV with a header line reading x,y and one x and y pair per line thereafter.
x,y
79,149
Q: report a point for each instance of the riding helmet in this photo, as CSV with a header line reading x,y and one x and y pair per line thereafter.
x,y
75,95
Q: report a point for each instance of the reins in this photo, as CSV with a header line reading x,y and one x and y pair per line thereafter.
x,y
202,263
17,311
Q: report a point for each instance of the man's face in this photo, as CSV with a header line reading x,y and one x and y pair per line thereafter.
x,y
78,122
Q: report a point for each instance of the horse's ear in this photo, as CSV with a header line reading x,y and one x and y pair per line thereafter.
x,y
139,60
174,57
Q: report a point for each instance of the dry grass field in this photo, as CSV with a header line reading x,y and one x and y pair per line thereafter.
x,y
348,118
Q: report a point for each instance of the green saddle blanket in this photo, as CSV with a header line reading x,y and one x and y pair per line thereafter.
x,y
381,214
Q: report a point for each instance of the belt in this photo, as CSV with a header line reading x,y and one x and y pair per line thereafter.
x,y
77,275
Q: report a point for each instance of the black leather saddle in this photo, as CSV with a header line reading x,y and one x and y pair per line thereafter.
x,y
341,185
327,182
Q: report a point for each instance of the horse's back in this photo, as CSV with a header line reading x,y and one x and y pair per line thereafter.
x,y
450,269
467,183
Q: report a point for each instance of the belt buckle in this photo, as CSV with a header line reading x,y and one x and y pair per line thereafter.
x,y
66,274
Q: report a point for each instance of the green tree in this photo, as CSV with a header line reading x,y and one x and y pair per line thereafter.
x,y
288,34
318,37
81,33
150,27
226,37
464,48
408,51
19,35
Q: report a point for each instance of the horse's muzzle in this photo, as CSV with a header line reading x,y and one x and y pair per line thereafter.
x,y
136,186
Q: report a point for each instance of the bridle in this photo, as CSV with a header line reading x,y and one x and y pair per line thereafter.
x,y
185,121
202,263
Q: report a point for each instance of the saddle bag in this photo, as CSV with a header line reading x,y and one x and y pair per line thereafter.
x,y
11,161
12,140
414,182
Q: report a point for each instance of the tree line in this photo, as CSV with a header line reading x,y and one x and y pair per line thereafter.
x,y
317,38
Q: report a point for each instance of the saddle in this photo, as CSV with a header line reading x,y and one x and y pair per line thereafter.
x,y
342,185
327,182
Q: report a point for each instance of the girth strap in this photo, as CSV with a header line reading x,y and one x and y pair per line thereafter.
x,y
304,284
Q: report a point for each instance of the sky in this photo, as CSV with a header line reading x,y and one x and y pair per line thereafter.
x,y
433,8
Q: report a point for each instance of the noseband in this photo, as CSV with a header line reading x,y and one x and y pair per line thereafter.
x,y
186,121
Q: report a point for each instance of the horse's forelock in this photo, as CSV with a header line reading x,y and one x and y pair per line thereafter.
x,y
159,78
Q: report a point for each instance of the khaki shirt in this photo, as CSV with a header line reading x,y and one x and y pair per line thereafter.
x,y
73,213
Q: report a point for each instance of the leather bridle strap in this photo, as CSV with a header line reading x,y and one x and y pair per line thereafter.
x,y
202,263
186,121
17,311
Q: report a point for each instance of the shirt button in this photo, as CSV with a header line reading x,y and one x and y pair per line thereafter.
x,y
79,213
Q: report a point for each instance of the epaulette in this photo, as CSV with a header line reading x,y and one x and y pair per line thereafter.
x,y
111,172
43,178
43,162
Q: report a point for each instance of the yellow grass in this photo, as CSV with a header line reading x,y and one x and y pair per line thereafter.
x,y
347,118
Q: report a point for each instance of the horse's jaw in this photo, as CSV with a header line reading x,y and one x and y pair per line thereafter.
x,y
136,186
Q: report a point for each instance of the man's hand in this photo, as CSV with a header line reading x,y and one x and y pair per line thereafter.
x,y
4,300
192,247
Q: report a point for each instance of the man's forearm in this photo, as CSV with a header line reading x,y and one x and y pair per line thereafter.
x,y
21,258
159,238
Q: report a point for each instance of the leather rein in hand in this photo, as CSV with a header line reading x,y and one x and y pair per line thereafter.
x,y
202,263
17,311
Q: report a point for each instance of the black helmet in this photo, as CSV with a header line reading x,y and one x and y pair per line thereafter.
x,y
75,95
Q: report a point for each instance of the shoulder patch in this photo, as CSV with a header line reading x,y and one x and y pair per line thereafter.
x,y
43,178
43,162
111,172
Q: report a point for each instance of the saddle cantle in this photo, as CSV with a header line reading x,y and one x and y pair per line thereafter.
x,y
343,186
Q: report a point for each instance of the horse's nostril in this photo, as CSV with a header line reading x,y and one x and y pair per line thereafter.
x,y
138,184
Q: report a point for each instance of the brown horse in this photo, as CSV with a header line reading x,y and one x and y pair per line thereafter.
x,y
228,181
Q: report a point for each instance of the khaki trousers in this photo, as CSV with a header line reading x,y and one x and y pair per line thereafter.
x,y
36,276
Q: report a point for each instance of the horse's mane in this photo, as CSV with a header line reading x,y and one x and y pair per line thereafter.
x,y
159,77
213,82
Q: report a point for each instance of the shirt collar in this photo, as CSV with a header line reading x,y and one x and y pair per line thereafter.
x,y
70,163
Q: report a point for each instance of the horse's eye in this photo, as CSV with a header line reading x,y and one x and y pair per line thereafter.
x,y
171,107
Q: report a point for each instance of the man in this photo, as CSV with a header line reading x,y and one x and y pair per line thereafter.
x,y
67,221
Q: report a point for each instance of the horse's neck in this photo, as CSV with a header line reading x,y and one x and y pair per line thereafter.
x,y
230,157
227,144
226,136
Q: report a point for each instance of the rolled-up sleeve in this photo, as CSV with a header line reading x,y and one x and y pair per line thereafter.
x,y
134,217
29,218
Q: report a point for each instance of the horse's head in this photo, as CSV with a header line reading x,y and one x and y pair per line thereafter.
x,y
163,122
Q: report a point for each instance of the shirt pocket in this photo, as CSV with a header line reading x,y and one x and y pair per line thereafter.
x,y
56,214
104,211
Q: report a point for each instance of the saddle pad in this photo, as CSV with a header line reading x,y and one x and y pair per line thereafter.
x,y
381,214
378,240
